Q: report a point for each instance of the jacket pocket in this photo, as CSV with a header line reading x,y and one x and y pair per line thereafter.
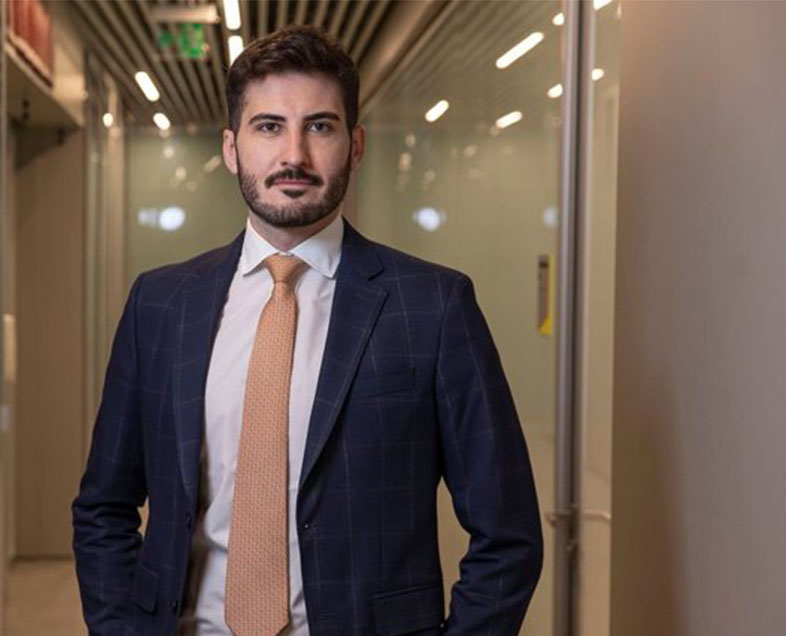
x,y
407,611
145,590
375,385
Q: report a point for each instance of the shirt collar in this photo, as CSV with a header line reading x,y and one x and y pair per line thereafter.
x,y
322,251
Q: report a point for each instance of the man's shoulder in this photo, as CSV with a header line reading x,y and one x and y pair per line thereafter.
x,y
161,283
398,264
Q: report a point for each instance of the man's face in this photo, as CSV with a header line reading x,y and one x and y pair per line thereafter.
x,y
292,152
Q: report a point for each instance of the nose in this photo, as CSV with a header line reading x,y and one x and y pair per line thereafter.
x,y
296,150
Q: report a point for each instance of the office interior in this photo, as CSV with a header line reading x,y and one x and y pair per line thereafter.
x,y
608,172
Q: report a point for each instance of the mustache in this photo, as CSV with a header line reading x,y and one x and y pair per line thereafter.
x,y
292,173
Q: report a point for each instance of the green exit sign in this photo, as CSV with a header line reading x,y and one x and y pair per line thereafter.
x,y
186,40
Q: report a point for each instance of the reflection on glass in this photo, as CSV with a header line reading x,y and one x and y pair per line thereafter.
x,y
182,199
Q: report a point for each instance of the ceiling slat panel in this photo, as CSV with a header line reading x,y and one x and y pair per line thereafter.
x,y
319,18
263,19
359,45
338,17
171,64
301,11
282,11
245,29
110,51
136,102
218,66
179,113
135,59
195,93
206,91
358,9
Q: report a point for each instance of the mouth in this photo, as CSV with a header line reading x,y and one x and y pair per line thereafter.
x,y
293,183
293,179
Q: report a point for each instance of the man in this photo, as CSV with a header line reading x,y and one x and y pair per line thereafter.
x,y
288,403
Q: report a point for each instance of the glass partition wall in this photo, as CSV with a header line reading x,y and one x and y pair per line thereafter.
x,y
463,168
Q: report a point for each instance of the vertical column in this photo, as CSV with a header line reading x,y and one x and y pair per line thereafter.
x,y
4,442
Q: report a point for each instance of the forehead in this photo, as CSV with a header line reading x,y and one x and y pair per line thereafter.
x,y
293,95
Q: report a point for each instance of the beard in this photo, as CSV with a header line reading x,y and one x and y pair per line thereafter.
x,y
294,214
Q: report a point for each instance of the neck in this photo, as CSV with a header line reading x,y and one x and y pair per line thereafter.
x,y
286,238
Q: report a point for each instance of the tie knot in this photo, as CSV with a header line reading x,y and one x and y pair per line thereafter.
x,y
284,269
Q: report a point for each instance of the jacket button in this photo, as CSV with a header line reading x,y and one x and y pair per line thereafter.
x,y
175,606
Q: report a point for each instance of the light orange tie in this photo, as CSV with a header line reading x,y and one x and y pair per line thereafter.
x,y
257,585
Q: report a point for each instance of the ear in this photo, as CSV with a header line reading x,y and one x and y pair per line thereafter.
x,y
358,145
229,151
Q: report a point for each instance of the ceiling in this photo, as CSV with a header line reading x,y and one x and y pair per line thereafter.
x,y
458,64
128,36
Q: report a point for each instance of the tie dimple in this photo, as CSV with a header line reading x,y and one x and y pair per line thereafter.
x,y
257,584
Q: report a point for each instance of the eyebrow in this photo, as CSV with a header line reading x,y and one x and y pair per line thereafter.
x,y
325,114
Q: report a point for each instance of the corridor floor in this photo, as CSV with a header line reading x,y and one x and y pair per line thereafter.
x,y
43,599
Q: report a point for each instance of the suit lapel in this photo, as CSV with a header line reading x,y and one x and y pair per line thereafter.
x,y
203,298
356,305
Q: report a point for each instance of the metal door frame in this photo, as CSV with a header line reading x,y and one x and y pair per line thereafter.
x,y
575,163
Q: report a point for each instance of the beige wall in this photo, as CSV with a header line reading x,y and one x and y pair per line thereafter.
x,y
50,299
5,439
699,435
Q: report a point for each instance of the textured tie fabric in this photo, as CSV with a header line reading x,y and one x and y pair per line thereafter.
x,y
257,584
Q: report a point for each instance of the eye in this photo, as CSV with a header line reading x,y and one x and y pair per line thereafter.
x,y
269,126
320,126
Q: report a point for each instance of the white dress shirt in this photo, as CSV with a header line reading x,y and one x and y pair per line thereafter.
x,y
251,287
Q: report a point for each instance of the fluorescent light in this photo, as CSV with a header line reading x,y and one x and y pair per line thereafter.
x,y
599,4
526,45
509,119
231,14
235,47
558,20
162,121
597,73
108,120
555,91
147,86
437,110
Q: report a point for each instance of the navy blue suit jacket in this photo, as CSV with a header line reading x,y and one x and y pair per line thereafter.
x,y
411,390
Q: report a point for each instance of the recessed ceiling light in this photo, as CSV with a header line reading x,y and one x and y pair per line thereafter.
x,y
437,110
147,86
235,47
509,119
555,91
231,14
523,47
162,121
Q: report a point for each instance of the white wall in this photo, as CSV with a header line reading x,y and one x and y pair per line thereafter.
x,y
699,435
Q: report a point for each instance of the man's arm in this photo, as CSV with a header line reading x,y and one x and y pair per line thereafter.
x,y
487,471
105,513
